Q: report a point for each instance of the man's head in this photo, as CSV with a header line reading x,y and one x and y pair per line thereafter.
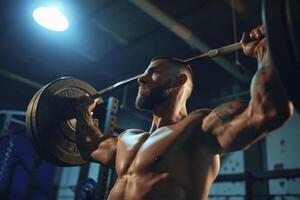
x,y
164,79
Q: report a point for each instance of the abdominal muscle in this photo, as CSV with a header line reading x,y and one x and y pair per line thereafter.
x,y
148,187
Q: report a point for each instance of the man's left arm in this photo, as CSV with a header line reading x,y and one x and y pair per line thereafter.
x,y
236,125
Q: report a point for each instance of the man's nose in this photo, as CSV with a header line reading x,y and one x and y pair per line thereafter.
x,y
142,79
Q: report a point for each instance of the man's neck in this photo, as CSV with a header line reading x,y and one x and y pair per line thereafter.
x,y
168,113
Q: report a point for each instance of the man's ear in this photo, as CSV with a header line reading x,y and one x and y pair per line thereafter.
x,y
180,80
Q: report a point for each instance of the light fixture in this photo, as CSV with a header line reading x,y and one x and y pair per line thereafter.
x,y
50,18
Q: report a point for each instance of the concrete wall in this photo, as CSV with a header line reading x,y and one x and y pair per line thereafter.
x,y
231,164
283,152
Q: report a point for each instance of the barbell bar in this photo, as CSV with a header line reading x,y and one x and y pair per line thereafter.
x,y
210,54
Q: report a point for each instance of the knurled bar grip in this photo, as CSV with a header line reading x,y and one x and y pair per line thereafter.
x,y
217,52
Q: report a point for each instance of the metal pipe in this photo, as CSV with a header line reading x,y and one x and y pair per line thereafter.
x,y
184,33
20,79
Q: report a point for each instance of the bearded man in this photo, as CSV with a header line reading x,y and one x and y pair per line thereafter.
x,y
179,157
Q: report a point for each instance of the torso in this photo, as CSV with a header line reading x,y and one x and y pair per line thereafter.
x,y
174,162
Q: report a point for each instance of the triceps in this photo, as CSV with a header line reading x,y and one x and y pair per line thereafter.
x,y
224,124
228,111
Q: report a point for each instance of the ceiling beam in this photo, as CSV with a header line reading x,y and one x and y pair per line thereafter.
x,y
20,79
187,35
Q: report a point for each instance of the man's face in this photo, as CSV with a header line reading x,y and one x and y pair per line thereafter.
x,y
154,86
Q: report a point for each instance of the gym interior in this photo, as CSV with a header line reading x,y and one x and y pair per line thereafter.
x,y
105,42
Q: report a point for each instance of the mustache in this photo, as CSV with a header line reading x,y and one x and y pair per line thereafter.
x,y
143,87
164,86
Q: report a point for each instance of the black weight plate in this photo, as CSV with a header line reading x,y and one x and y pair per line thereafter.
x,y
31,130
52,130
281,21
29,124
37,143
293,25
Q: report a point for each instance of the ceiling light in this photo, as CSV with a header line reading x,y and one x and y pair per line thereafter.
x,y
50,18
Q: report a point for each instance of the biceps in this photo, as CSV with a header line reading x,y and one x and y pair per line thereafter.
x,y
106,151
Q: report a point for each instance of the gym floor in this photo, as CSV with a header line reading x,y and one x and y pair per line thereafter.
x,y
110,40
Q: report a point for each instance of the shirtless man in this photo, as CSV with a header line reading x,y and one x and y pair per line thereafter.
x,y
179,157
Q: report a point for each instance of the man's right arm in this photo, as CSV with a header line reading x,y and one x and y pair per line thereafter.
x,y
92,144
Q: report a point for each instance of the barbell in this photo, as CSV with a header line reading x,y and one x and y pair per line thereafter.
x,y
50,116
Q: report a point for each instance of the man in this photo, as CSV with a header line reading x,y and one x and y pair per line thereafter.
x,y
179,158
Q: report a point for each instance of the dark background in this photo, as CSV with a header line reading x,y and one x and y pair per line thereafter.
x,y
111,40
108,41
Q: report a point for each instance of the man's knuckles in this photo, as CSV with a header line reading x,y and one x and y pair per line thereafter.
x,y
257,33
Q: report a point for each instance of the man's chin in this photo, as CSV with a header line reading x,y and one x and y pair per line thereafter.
x,y
142,104
143,107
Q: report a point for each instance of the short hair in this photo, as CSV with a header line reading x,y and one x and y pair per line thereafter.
x,y
182,63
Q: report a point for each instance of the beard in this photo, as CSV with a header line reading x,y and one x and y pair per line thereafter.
x,y
148,98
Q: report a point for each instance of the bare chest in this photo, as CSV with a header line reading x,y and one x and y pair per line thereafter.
x,y
142,152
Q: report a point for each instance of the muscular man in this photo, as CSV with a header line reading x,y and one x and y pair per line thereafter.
x,y
179,157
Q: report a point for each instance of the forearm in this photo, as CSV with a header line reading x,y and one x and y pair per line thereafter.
x,y
234,125
91,143
268,97
88,136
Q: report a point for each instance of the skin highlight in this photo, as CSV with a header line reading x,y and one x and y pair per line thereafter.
x,y
179,157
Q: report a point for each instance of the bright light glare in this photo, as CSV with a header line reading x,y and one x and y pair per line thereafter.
x,y
50,18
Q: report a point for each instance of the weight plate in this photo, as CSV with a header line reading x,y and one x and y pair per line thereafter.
x,y
50,120
30,129
282,23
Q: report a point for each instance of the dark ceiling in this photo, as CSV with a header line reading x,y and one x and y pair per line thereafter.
x,y
110,40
